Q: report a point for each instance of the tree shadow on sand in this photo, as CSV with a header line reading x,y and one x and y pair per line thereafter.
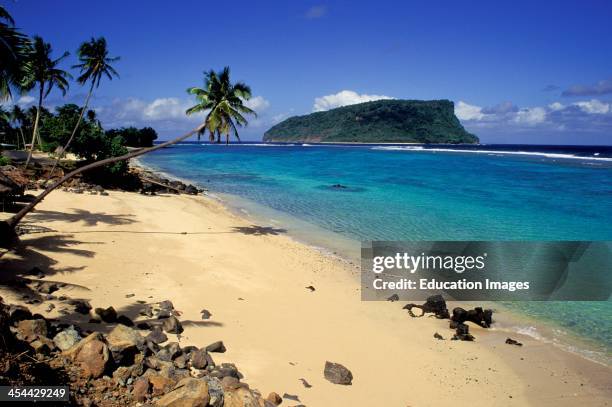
x,y
27,264
258,230
135,312
81,215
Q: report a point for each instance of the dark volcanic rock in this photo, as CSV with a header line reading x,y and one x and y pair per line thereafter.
x,y
217,347
511,341
477,315
107,315
157,336
18,313
172,325
80,306
337,374
434,304
199,359
462,332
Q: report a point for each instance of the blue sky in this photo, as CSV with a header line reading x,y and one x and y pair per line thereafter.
x,y
518,72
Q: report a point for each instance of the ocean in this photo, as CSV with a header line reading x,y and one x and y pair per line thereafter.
x,y
335,196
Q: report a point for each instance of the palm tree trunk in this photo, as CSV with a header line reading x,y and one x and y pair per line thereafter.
x,y
226,138
22,136
40,99
65,148
15,219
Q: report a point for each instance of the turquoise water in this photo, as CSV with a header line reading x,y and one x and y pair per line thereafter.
x,y
406,193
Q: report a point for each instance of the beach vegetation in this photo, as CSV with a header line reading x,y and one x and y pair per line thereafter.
x,y
14,52
134,137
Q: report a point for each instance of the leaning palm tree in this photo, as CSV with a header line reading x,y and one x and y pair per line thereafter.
x,y
225,102
7,228
95,63
45,74
13,54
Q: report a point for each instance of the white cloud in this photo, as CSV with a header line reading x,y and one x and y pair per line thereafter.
x,y
344,98
257,103
556,106
465,111
594,106
26,100
530,115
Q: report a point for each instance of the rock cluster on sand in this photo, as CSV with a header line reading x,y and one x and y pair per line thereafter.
x,y
123,367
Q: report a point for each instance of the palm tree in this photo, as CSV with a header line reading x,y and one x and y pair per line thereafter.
x,y
45,74
18,118
225,102
7,228
13,53
95,63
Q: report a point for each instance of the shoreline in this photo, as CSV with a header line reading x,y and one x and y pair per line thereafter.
x,y
515,322
195,252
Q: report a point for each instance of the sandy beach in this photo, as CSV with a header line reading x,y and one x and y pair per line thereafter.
x,y
253,279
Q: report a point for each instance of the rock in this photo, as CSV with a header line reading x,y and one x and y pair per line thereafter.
x,y
172,325
434,304
511,341
67,338
305,383
484,318
181,361
31,329
173,349
240,397
224,370
337,374
292,397
50,308
393,298
205,314
188,392
42,345
462,333
18,313
199,359
215,391
438,336
160,384
274,398
93,358
108,315
157,336
122,319
124,342
191,190
122,374
140,389
129,295
217,347
80,306
311,288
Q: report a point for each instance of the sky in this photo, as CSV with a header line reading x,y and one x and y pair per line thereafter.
x,y
535,72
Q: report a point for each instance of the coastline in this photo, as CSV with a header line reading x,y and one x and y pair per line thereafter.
x,y
198,254
512,322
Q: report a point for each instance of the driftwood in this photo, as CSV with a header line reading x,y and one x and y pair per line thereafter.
x,y
435,304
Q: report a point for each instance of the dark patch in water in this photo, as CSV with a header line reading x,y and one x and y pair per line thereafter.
x,y
341,188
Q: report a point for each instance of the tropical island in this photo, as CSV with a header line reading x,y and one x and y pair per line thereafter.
x,y
381,121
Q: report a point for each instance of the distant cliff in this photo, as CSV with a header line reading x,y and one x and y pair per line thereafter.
x,y
382,121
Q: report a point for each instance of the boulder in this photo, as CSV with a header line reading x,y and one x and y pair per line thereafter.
x,y
122,319
240,397
199,359
215,391
216,347
337,374
80,306
172,325
93,358
31,329
42,345
274,398
108,315
189,392
224,370
124,342
140,389
160,384
67,338
157,336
